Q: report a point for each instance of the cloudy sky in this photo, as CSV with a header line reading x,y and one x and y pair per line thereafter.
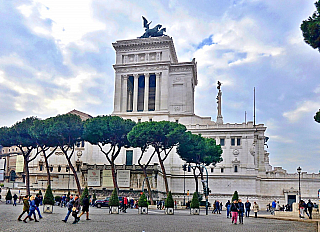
x,y
56,56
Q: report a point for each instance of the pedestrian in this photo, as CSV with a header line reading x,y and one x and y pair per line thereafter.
x,y
63,200
234,211
37,201
305,208
228,206
310,207
248,206
41,199
76,209
125,204
241,211
15,198
220,208
69,206
214,207
273,207
25,207
301,209
85,207
255,209
132,203
32,209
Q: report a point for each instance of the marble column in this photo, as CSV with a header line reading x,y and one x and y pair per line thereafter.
x,y
125,93
135,92
157,100
146,92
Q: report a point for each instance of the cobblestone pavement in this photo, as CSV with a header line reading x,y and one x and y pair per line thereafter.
x,y
131,221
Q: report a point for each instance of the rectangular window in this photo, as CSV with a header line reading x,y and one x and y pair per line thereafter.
x,y
233,142
236,168
238,141
222,170
67,169
129,157
139,119
152,93
222,141
51,169
150,119
212,169
41,167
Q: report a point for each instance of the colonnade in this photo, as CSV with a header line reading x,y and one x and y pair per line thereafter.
x,y
130,95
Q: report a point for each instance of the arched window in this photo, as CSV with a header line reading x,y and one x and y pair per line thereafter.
x,y
12,175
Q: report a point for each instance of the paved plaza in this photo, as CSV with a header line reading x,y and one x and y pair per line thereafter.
x,y
131,221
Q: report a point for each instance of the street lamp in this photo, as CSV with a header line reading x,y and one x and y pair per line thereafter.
x,y
299,172
184,167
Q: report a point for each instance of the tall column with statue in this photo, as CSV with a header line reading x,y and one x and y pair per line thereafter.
x,y
219,116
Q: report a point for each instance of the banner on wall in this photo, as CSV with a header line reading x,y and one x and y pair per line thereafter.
x,y
2,164
19,163
93,178
107,181
123,178
1,175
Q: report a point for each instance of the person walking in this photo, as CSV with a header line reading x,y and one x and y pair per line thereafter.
x,y
273,207
15,198
76,209
25,207
228,206
37,201
241,211
310,207
301,209
214,207
248,206
85,207
32,209
69,206
255,209
234,211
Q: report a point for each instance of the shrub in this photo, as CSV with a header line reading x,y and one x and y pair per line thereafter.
x,y
9,196
143,201
195,201
114,200
235,196
169,203
48,197
84,193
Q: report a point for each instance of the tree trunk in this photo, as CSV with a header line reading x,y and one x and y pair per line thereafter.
x,y
47,167
75,175
26,170
196,180
148,183
163,173
114,176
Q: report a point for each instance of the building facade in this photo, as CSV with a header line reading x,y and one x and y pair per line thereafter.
x,y
151,85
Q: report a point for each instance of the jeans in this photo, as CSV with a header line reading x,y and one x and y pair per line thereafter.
x,y
241,217
247,212
68,214
228,212
38,210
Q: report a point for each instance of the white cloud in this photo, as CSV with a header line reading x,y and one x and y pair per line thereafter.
x,y
302,109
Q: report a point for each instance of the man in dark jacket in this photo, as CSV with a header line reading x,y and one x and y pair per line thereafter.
x,y
15,197
241,211
310,207
85,207
37,201
248,206
70,206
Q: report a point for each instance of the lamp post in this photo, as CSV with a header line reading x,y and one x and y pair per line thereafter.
x,y
299,172
184,167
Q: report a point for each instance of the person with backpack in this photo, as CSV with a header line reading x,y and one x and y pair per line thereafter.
x,y
310,207
25,207
69,206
